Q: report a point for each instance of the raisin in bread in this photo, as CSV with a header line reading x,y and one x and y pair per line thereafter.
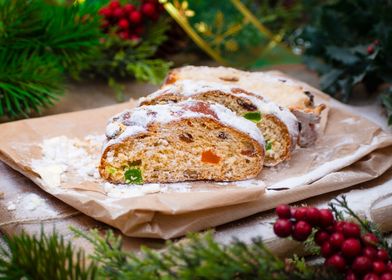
x,y
278,125
278,88
191,140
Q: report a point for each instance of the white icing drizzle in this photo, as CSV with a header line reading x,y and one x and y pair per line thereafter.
x,y
192,88
137,120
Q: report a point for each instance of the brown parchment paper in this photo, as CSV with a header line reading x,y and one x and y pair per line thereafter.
x,y
350,150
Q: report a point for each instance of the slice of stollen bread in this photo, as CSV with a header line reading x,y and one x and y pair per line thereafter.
x,y
280,89
191,140
278,125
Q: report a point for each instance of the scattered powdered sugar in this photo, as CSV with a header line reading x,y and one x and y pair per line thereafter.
x,y
64,155
127,190
11,206
350,121
325,168
30,204
249,183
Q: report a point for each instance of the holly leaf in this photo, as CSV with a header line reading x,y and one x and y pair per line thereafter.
x,y
330,78
342,55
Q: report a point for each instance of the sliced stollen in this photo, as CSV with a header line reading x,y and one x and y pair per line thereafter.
x,y
278,88
191,140
277,124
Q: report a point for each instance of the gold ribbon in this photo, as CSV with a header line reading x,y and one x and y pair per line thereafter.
x,y
183,22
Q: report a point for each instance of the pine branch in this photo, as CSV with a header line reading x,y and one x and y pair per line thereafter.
x,y
43,257
197,257
28,82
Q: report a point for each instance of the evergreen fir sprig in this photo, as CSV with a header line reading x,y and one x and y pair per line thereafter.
x,y
28,82
199,256
39,42
43,257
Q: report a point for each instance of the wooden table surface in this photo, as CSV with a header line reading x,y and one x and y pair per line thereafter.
x,y
91,95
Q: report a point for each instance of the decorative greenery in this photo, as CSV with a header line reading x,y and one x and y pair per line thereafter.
x,y
196,257
44,257
350,50
40,41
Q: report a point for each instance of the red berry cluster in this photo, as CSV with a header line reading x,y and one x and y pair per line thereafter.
x,y
372,46
129,20
342,245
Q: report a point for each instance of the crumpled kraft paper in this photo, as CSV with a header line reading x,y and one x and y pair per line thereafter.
x,y
350,150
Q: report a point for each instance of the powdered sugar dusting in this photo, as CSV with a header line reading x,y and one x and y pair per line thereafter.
x,y
192,88
132,122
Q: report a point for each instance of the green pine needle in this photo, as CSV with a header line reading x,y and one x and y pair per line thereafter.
x,y
28,83
43,257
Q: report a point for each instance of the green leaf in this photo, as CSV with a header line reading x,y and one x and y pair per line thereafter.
x,y
253,116
330,78
133,176
343,55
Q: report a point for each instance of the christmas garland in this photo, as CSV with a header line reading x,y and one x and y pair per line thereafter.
x,y
349,43
353,249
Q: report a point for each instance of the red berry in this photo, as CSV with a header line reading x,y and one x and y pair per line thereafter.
x,y
336,240
376,42
370,252
139,30
148,9
382,254
386,276
124,35
106,12
326,218
351,276
135,17
282,227
389,266
370,239
371,276
362,265
320,237
302,230
123,24
370,49
338,226
300,214
128,8
118,13
114,4
351,247
379,267
326,249
283,211
313,216
337,262
351,230
135,37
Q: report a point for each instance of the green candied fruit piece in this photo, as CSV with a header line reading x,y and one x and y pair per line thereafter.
x,y
268,146
253,116
111,170
133,176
